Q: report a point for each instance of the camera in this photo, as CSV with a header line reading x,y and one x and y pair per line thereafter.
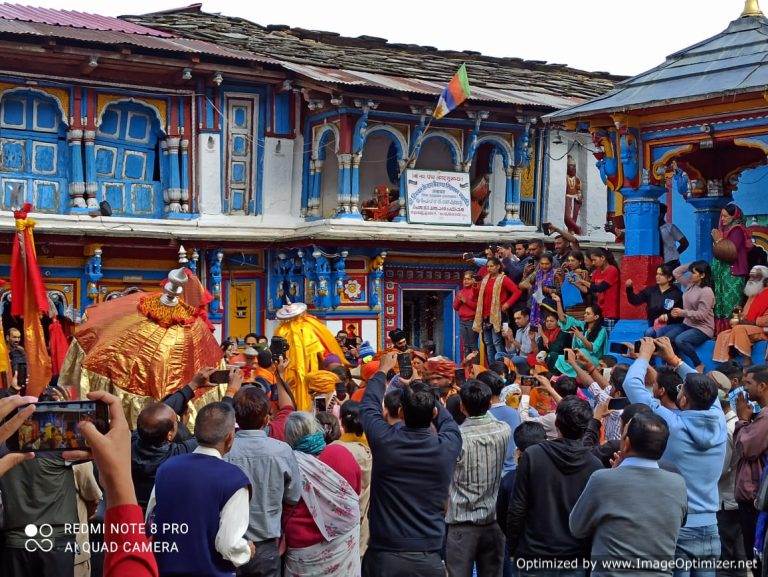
x,y
404,362
278,346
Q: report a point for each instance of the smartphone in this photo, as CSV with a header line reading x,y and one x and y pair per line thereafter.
x,y
219,377
638,344
618,404
321,404
460,377
528,381
54,426
618,348
404,363
504,326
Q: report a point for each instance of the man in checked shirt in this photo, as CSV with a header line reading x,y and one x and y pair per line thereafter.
x,y
474,537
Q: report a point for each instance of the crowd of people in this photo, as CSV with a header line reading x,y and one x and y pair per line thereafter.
x,y
539,454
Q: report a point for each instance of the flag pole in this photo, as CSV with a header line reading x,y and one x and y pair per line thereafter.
x,y
416,147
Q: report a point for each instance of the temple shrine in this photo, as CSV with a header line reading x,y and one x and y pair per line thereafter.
x,y
277,163
692,134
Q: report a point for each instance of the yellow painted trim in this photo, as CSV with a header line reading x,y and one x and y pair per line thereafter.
x,y
60,95
703,111
665,158
751,143
159,106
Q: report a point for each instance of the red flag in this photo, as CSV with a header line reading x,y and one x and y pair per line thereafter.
x,y
58,345
29,300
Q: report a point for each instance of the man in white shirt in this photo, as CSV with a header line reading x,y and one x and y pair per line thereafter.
x,y
519,347
200,504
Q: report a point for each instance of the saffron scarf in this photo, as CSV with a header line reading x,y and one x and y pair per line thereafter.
x,y
495,317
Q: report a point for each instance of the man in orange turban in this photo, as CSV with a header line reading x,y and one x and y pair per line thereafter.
x,y
441,374
366,372
321,382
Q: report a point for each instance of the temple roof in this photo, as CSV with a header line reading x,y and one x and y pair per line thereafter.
x,y
732,62
370,62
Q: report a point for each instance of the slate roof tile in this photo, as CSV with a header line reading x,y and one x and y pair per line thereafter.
x,y
375,56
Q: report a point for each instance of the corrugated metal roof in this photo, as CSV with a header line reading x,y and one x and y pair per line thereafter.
x,y
732,62
183,45
75,20
414,85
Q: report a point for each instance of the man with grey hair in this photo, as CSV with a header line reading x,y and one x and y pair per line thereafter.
x,y
751,324
206,496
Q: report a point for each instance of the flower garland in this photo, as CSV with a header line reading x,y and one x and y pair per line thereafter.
x,y
166,316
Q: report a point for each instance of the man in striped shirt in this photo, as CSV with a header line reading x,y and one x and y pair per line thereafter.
x,y
474,537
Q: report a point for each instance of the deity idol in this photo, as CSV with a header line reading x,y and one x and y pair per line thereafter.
x,y
573,198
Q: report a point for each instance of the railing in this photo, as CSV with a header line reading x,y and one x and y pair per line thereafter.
x,y
528,212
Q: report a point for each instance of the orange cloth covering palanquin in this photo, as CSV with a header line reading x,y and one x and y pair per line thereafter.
x,y
140,350
309,340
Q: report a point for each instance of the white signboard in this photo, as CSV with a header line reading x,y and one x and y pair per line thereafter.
x,y
436,197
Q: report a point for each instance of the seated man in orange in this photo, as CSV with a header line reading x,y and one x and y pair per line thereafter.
x,y
751,325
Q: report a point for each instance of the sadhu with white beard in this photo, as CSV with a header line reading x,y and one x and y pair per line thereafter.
x,y
752,323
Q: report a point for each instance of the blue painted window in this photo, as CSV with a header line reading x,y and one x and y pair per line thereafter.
x,y
241,132
283,113
128,160
34,157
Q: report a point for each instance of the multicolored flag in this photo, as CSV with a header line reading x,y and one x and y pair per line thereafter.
x,y
29,300
456,92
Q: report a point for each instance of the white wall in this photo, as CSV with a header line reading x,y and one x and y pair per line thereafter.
x,y
278,178
373,166
370,332
592,214
329,192
435,154
498,192
209,173
296,180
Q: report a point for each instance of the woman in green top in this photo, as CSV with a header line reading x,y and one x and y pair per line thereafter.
x,y
589,335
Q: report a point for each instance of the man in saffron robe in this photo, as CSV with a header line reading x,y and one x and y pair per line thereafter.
x,y
751,325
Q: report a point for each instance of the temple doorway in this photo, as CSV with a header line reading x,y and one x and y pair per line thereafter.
x,y
428,319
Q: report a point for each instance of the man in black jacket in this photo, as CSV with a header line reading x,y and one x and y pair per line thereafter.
x,y
550,479
412,470
160,435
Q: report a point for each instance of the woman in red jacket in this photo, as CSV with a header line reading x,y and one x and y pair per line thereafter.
x,y
465,303
496,295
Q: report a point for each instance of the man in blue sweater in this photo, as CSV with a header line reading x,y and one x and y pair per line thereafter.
x,y
208,497
696,447
412,470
